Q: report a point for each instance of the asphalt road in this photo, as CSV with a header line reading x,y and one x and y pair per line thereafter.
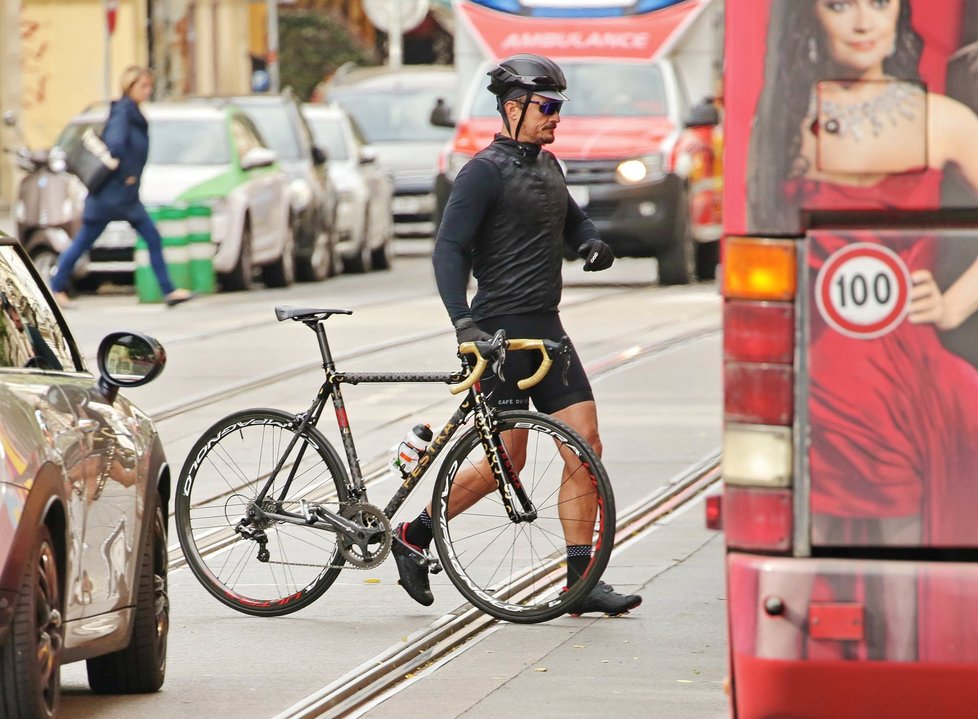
x,y
660,413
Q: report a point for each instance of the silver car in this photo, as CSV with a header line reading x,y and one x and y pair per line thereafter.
x,y
393,108
84,489
363,215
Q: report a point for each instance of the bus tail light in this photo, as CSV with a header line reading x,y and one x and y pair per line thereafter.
x,y
759,331
760,278
758,393
759,269
756,455
757,519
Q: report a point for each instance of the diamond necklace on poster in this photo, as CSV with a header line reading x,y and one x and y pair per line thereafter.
x,y
897,100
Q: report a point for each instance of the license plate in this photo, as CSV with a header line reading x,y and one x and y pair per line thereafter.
x,y
117,234
580,195
406,205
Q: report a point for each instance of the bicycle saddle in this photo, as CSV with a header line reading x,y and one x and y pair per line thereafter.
x,y
305,314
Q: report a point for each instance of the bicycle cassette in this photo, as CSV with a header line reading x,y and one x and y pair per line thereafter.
x,y
372,542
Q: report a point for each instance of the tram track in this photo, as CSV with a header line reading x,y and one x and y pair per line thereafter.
x,y
375,468
289,372
381,676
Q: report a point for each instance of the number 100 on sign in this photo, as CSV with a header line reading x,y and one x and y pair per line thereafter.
x,y
863,290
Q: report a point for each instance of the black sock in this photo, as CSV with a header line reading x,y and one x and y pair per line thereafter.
x,y
578,557
418,532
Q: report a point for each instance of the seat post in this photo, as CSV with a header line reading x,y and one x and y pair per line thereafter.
x,y
324,345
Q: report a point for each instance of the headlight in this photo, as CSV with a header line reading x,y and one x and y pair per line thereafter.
x,y
647,168
300,195
456,161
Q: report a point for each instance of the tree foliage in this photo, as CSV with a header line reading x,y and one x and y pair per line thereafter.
x,y
310,43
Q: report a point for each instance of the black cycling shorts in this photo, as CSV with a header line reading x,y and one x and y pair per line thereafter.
x,y
551,394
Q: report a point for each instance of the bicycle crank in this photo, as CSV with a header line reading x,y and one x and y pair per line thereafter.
x,y
371,543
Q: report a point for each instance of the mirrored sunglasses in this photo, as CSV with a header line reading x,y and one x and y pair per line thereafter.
x,y
548,107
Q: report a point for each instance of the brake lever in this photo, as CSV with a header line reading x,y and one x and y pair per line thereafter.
x,y
497,366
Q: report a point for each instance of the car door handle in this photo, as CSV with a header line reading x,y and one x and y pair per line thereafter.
x,y
87,425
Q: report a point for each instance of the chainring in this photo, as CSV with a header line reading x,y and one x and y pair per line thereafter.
x,y
375,550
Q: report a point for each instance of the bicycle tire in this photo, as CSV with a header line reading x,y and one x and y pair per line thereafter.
x,y
521,584
222,475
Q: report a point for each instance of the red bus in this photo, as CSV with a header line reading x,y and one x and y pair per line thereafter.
x,y
850,283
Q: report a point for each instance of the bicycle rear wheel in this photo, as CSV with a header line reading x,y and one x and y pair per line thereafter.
x,y
515,570
220,481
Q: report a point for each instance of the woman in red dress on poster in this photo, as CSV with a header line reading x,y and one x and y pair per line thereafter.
x,y
894,419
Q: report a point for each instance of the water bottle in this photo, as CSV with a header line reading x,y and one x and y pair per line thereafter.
x,y
411,448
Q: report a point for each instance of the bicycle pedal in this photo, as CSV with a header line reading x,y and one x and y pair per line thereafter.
x,y
434,566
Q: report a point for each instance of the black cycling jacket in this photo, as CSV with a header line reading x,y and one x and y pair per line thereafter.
x,y
507,217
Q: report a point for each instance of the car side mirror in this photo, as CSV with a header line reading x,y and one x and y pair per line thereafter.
x,y
441,116
368,154
258,157
319,155
128,359
703,114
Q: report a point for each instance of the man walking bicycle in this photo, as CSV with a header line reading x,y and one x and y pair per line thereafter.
x,y
507,221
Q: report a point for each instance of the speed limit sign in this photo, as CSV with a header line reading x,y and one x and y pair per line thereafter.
x,y
863,290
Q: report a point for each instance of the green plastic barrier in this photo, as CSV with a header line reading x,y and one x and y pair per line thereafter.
x,y
202,277
176,250
147,288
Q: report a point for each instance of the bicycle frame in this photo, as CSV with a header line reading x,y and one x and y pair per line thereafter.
x,y
505,475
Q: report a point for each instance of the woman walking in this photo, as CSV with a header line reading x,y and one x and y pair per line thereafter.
x,y
127,137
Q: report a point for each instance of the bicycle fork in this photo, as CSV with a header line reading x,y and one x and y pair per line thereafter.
x,y
507,476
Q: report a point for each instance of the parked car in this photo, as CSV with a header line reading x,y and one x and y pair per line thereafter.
x,y
311,192
393,108
84,488
210,152
364,220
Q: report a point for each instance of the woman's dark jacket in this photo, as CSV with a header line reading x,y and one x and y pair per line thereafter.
x,y
127,136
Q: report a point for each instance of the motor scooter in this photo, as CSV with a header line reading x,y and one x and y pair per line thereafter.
x,y
49,203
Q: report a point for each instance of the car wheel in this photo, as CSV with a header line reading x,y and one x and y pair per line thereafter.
x,y
30,658
677,262
140,667
315,267
707,257
46,261
240,277
360,262
383,257
281,273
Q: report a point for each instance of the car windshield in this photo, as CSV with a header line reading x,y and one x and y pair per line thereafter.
x,y
395,116
605,90
188,142
328,134
276,129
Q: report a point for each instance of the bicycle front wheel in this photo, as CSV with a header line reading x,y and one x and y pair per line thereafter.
x,y
515,569
291,565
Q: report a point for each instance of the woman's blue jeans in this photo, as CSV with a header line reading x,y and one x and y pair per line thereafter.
x,y
90,231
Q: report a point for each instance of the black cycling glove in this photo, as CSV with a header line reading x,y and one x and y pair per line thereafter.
x,y
596,255
466,330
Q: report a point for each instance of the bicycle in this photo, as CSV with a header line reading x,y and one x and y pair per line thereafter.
x,y
267,514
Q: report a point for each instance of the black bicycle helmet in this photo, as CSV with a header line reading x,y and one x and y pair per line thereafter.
x,y
521,76
522,73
